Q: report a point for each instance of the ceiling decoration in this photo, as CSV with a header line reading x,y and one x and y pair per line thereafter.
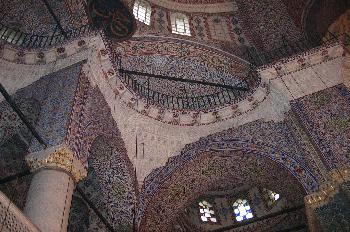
x,y
114,17
41,23
32,16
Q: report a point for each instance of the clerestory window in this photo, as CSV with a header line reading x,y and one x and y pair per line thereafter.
x,y
270,197
206,212
180,24
142,11
242,210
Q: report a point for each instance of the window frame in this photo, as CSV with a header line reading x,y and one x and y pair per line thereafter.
x,y
184,19
269,202
13,34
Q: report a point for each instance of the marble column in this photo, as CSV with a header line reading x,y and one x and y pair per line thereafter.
x,y
328,208
49,197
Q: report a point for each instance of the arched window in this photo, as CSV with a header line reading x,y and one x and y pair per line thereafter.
x,y
180,24
242,210
142,11
270,196
206,212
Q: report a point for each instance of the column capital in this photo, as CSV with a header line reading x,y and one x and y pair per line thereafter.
x,y
57,157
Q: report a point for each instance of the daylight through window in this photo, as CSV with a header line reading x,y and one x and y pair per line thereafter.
x,y
270,196
242,210
180,24
142,11
206,211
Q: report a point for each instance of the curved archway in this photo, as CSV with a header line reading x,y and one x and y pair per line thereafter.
x,y
209,163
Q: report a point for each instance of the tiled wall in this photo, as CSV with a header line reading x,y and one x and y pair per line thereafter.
x,y
265,22
33,17
326,116
202,25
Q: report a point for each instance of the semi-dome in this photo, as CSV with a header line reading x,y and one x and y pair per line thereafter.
x,y
177,74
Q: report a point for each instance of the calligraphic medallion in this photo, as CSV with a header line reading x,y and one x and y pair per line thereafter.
x,y
114,17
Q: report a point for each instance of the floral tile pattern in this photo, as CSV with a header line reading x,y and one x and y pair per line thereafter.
x,y
55,93
94,138
326,116
32,16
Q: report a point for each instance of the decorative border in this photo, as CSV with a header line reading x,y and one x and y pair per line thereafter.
x,y
302,61
17,55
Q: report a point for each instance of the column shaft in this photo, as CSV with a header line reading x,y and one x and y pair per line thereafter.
x,y
49,199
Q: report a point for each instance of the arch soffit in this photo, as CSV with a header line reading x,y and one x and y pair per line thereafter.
x,y
227,148
114,173
110,146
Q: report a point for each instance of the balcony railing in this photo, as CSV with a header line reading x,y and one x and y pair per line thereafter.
x,y
29,41
183,101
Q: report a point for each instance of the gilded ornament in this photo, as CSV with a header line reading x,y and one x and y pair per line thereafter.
x,y
325,194
61,158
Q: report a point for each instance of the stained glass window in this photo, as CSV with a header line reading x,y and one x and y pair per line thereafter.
x,y
242,210
206,211
270,196
142,11
180,24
